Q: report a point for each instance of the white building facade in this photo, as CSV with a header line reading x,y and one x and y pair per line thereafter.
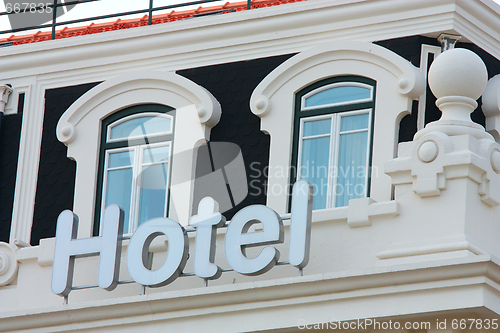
x,y
402,230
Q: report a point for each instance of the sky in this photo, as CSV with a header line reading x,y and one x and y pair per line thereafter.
x,y
104,7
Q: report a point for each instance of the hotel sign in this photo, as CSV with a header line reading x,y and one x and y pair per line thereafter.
x,y
108,246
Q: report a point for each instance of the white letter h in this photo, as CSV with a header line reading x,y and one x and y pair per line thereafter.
x,y
67,248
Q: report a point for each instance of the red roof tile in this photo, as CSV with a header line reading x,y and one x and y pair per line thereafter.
x,y
120,24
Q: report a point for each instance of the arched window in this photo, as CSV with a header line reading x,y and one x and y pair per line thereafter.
x,y
332,139
134,163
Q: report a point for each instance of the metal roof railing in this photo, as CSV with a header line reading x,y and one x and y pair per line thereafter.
x,y
56,4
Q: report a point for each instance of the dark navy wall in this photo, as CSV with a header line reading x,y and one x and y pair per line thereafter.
x,y
232,85
9,152
56,175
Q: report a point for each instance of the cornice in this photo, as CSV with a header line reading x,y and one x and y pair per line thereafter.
x,y
479,22
277,30
427,279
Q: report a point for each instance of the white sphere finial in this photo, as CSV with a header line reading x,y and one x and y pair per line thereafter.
x,y
458,72
457,78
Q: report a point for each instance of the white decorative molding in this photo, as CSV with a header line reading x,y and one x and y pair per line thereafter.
x,y
424,68
429,178
182,91
79,128
429,249
204,41
359,213
45,253
29,157
363,210
398,82
460,156
8,264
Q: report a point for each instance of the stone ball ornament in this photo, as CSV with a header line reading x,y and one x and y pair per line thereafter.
x,y
457,78
458,72
8,264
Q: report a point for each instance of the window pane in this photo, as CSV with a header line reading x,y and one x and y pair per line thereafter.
x,y
119,191
352,171
356,122
159,154
317,127
140,127
314,168
336,95
154,183
122,159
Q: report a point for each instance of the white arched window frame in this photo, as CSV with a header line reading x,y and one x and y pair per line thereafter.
x,y
196,112
273,100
